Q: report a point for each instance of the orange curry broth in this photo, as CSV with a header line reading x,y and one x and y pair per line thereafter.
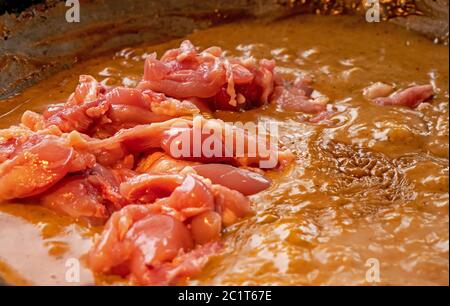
x,y
371,182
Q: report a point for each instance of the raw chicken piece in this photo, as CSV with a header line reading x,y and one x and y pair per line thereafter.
x,y
410,97
161,163
191,198
149,248
231,204
146,188
298,97
213,141
242,149
82,109
377,90
93,110
92,195
223,82
30,162
245,181
76,197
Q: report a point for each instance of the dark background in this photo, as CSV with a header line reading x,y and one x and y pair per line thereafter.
x,y
16,6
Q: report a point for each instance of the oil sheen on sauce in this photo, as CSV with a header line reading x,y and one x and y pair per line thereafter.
x,y
369,187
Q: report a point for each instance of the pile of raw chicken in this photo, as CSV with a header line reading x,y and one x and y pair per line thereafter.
x,y
104,156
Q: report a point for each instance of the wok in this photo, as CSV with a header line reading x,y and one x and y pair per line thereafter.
x,y
37,40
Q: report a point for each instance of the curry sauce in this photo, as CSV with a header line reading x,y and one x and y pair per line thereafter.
x,y
370,183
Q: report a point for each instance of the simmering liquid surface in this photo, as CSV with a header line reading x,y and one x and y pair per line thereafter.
x,y
368,192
